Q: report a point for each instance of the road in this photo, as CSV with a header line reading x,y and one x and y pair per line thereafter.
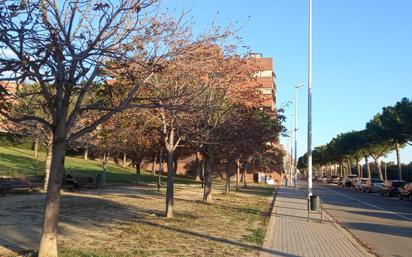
x,y
382,224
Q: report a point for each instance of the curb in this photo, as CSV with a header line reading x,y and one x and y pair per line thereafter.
x,y
270,226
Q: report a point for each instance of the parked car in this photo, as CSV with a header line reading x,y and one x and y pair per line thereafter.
x,y
391,187
405,192
333,179
373,185
353,178
324,179
348,181
360,184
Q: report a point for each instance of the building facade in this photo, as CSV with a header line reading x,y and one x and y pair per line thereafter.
x,y
266,80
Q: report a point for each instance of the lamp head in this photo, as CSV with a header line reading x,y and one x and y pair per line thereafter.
x,y
298,86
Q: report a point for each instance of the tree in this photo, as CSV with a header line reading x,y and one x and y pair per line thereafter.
x,y
133,133
376,145
252,135
177,87
392,124
69,48
229,87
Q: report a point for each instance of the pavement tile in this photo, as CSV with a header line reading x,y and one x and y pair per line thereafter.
x,y
290,234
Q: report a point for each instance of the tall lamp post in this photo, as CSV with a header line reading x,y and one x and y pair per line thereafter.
x,y
310,103
296,134
291,152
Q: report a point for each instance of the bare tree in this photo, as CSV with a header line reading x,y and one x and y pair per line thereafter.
x,y
69,48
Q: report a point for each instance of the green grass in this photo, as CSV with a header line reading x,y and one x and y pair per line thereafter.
x,y
21,162
257,237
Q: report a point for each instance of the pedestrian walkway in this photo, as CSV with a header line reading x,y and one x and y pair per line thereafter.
x,y
291,234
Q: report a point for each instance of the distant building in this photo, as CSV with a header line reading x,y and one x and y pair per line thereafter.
x,y
266,79
7,94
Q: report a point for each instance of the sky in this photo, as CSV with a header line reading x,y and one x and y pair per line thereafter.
x,y
362,56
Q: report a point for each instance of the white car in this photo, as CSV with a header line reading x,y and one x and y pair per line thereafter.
x,y
270,181
359,186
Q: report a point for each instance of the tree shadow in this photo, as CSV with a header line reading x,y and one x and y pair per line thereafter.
x,y
24,165
381,229
218,239
22,215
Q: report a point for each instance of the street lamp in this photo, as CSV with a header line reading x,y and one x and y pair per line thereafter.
x,y
310,103
296,134
291,152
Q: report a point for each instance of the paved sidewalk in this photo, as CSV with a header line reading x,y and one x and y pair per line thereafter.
x,y
291,234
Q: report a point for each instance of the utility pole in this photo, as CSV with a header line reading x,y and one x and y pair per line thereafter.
x,y
296,135
310,104
291,152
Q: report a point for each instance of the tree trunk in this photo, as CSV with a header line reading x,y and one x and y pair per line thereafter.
x,y
138,162
104,161
36,148
227,184
368,167
237,175
198,167
86,153
49,152
207,193
349,168
359,168
48,242
154,166
159,180
175,165
378,165
202,177
124,160
170,175
170,184
398,160
244,175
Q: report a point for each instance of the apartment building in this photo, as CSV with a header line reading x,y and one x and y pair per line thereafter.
x,y
266,79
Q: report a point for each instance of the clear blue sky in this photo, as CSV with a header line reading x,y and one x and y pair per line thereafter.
x,y
362,55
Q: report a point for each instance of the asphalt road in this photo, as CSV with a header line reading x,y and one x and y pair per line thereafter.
x,y
382,224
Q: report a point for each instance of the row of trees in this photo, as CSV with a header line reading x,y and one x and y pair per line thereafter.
x,y
121,77
387,131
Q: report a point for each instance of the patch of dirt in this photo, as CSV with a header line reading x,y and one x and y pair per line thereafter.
x,y
128,221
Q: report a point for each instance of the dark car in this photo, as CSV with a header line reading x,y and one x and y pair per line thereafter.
x,y
391,187
348,181
405,192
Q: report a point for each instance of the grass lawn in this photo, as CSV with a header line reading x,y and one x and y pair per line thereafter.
x,y
21,162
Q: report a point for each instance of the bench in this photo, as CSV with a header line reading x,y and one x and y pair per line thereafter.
x,y
9,184
84,182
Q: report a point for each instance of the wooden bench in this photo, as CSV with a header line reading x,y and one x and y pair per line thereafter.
x,y
9,184
84,182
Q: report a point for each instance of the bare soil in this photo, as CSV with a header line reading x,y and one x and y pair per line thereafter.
x,y
128,221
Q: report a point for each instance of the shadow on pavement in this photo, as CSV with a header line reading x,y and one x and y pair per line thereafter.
x,y
380,228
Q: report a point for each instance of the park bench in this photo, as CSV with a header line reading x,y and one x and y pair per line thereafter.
x,y
84,182
10,184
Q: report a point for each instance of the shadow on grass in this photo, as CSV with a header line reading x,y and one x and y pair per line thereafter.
x,y
257,190
218,239
16,165
21,218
